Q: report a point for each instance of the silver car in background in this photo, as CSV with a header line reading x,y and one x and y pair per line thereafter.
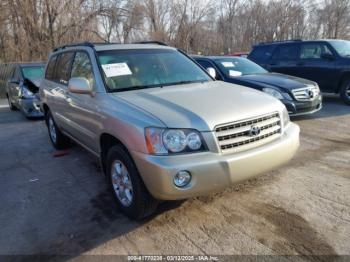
x,y
22,82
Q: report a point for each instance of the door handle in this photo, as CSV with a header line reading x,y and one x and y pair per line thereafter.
x,y
300,63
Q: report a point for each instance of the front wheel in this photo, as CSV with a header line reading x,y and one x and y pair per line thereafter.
x,y
58,139
345,92
11,106
132,196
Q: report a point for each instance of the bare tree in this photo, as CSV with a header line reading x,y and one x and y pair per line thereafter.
x,y
29,29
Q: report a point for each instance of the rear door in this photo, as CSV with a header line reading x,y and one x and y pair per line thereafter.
x,y
314,67
58,73
284,59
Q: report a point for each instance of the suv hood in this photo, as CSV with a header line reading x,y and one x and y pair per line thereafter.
x,y
202,106
276,80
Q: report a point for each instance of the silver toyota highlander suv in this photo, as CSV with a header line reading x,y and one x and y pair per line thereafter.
x,y
162,128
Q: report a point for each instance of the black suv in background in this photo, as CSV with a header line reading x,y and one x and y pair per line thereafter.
x,y
326,62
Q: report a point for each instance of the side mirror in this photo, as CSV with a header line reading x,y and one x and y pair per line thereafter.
x,y
79,85
327,56
212,72
14,81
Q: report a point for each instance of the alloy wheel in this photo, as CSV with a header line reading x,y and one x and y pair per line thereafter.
x,y
122,183
52,129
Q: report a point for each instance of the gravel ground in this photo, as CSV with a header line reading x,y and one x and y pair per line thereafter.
x,y
62,206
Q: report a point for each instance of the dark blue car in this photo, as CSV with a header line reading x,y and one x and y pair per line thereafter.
x,y
326,62
300,96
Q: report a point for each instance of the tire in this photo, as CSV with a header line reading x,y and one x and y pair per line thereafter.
x,y
11,106
345,91
131,194
58,139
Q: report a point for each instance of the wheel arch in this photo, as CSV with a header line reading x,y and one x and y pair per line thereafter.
x,y
345,76
106,141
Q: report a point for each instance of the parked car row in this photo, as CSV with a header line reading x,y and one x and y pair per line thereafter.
x,y
167,126
21,82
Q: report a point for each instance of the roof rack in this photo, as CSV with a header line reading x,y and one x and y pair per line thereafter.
x,y
90,44
72,45
280,41
151,42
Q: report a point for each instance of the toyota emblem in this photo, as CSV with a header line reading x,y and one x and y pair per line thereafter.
x,y
254,131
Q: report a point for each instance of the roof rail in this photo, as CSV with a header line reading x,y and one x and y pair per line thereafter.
x,y
72,45
280,41
151,42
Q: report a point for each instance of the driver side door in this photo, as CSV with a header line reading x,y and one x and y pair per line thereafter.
x,y
82,111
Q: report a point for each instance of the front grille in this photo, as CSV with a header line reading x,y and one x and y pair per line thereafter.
x,y
239,135
307,93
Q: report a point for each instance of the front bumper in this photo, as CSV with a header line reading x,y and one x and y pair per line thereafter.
x,y
213,171
296,108
30,107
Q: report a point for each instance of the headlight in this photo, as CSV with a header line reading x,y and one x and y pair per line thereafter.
x,y
194,141
163,141
26,93
273,92
174,140
285,117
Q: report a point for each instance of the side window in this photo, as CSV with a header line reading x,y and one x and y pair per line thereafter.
x,y
63,67
204,63
17,74
314,51
9,72
286,52
51,68
261,53
82,67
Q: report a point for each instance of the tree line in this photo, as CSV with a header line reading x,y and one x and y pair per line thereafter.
x,y
29,29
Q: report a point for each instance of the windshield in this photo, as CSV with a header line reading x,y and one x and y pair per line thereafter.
x,y
134,69
236,66
33,71
342,47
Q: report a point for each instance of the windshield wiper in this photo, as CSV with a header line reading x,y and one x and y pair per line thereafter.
x,y
184,82
134,88
138,87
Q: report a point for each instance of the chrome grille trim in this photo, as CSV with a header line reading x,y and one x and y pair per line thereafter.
x,y
234,135
302,94
250,140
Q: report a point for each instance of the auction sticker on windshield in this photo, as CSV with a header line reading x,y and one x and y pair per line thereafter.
x,y
228,64
235,73
118,69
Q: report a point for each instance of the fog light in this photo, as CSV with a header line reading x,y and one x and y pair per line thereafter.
x,y
182,178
